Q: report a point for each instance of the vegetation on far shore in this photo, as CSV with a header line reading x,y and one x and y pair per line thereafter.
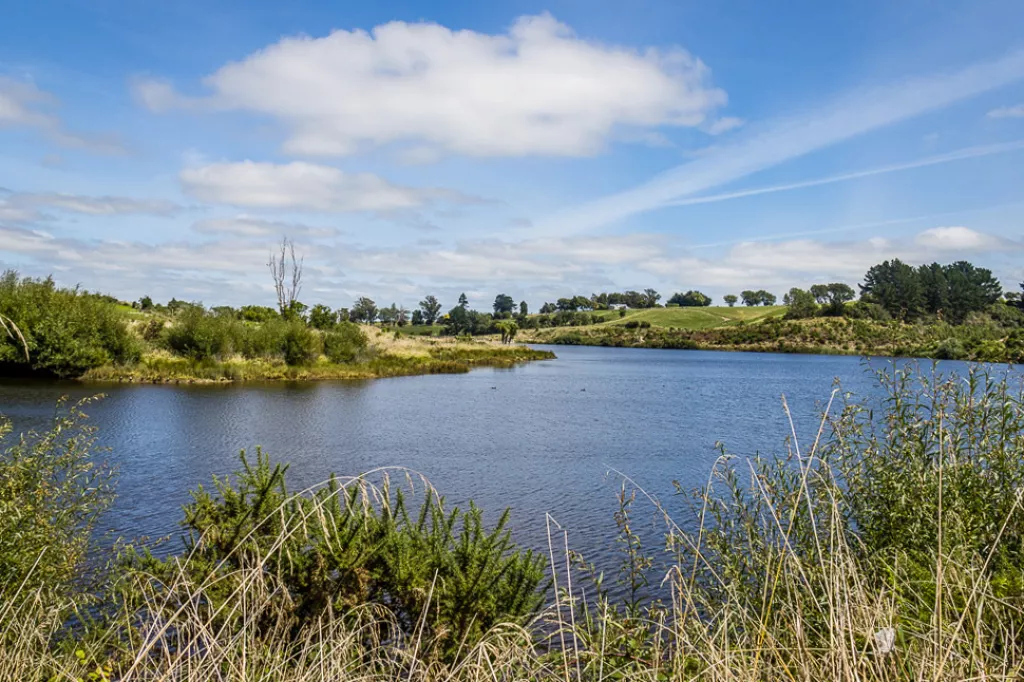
x,y
890,548
69,333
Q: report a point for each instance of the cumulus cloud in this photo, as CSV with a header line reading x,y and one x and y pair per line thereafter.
x,y
1008,112
304,186
23,104
538,89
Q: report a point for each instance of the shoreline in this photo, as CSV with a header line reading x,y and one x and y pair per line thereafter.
x,y
450,359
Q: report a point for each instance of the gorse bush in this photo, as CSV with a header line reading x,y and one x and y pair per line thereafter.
x,y
440,572
67,332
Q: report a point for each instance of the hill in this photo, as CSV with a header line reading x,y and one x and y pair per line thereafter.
x,y
692,318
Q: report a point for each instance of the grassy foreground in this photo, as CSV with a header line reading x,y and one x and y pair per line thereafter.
x,y
891,547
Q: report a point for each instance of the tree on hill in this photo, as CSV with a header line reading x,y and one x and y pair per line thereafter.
x,y
463,301
730,299
895,286
547,308
690,299
651,298
750,298
503,305
837,295
524,309
322,317
430,308
800,304
364,310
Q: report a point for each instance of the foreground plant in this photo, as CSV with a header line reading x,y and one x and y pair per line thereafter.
x,y
887,549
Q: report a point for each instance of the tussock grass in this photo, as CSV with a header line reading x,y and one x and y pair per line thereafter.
x,y
793,570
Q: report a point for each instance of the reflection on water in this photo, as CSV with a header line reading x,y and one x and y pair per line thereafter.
x,y
545,437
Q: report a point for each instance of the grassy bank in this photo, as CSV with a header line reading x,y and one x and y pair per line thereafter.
x,y
382,358
690,318
50,332
981,339
889,548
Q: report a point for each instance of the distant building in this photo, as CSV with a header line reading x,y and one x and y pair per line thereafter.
x,y
618,306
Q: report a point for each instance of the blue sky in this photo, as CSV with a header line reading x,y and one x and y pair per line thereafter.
x,y
533,149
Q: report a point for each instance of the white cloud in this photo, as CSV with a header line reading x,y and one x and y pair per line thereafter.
x,y
854,113
24,206
1008,112
799,262
959,239
304,186
725,124
247,226
24,105
539,89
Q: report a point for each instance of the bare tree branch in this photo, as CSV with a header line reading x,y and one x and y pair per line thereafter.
x,y
287,287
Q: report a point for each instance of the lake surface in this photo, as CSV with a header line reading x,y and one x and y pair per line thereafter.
x,y
546,437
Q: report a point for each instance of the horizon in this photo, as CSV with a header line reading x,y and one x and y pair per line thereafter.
x,y
539,151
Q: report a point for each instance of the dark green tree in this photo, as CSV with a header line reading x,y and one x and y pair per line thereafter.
x,y
431,308
322,317
750,298
690,299
730,299
524,309
503,305
895,286
800,304
364,310
463,301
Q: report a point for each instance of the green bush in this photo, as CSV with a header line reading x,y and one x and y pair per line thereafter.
x,y
198,335
439,571
344,343
265,340
66,332
299,345
52,492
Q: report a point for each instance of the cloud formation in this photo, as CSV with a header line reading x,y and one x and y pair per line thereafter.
x,y
1008,112
536,90
25,105
304,186
854,113
18,207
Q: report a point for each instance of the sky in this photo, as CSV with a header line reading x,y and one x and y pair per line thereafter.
x,y
533,149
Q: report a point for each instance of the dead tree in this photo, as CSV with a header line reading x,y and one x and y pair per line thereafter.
x,y
286,270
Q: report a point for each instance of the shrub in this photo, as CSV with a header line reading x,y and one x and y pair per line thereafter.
x,y
51,494
344,547
299,345
66,332
197,335
344,343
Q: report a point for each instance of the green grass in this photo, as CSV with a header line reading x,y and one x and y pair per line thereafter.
x,y
693,318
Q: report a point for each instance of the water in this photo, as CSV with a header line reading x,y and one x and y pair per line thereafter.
x,y
545,438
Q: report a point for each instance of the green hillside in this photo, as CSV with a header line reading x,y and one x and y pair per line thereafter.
x,y
693,318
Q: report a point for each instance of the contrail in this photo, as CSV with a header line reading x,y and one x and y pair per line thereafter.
x,y
968,153
856,113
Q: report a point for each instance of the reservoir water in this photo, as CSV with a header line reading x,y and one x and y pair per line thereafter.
x,y
551,437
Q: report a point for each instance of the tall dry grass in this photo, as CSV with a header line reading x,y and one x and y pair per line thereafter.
x,y
772,583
